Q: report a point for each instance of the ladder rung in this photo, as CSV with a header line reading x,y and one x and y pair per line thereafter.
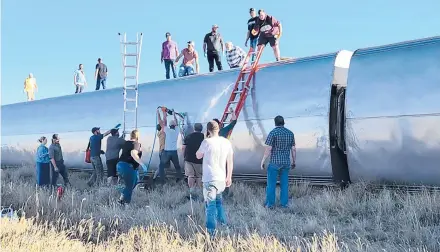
x,y
130,110
237,92
233,102
127,132
133,66
130,99
130,43
130,54
130,87
130,77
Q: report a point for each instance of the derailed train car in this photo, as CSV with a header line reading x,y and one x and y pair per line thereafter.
x,y
369,115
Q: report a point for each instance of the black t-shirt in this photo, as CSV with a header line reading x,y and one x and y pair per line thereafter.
x,y
251,22
192,143
102,72
126,152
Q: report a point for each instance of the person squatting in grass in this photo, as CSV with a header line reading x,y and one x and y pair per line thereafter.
x,y
217,153
42,163
128,166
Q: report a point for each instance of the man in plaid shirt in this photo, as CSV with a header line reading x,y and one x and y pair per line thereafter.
x,y
281,148
234,55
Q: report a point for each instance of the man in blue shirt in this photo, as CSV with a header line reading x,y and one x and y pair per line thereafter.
x,y
95,155
281,148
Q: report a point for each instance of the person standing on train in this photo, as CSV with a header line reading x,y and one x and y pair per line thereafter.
x,y
282,151
30,87
57,161
128,166
79,79
190,57
114,146
270,31
213,48
43,163
170,149
224,131
161,136
253,38
235,56
100,74
95,156
168,55
217,154
193,165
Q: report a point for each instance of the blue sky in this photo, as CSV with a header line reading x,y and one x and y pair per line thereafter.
x,y
50,38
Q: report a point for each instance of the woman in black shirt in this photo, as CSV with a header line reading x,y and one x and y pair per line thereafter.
x,y
128,166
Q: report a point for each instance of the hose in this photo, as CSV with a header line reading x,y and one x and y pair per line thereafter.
x,y
154,143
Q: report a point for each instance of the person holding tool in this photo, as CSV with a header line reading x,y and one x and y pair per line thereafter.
x,y
170,149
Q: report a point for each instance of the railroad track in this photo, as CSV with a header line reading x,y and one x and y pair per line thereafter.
x,y
315,181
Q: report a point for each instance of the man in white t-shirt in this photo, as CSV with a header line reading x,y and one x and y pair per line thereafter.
x,y
216,152
170,150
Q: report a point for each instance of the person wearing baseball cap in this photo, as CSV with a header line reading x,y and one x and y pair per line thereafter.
x,y
251,22
95,155
114,146
168,55
100,74
190,57
213,48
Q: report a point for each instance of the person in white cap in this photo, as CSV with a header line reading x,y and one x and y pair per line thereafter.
x,y
235,56
190,57
30,86
213,48
170,150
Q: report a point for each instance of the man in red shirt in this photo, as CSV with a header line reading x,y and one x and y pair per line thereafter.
x,y
270,32
168,55
190,57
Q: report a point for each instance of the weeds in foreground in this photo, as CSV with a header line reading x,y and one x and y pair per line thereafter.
x,y
318,220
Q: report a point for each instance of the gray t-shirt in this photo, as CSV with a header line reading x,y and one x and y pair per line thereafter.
x,y
55,152
114,145
102,72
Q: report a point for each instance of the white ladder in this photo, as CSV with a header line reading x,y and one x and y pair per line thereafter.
x,y
131,78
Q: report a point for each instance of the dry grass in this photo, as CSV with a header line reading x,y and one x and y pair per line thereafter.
x,y
163,220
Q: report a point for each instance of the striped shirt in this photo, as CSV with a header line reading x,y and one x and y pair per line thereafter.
x,y
281,139
235,56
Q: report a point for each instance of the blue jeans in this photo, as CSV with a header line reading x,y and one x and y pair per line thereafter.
x,y
43,174
100,82
61,171
165,159
253,45
272,174
186,70
169,63
212,193
130,177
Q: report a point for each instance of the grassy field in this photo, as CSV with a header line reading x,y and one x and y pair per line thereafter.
x,y
164,220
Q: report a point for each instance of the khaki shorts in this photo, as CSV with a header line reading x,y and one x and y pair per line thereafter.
x,y
193,170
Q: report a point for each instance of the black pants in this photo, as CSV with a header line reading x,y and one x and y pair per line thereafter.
x,y
61,171
111,167
213,55
165,159
169,63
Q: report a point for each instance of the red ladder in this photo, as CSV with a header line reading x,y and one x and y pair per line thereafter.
x,y
246,83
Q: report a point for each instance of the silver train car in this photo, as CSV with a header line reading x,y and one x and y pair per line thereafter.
x,y
371,115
